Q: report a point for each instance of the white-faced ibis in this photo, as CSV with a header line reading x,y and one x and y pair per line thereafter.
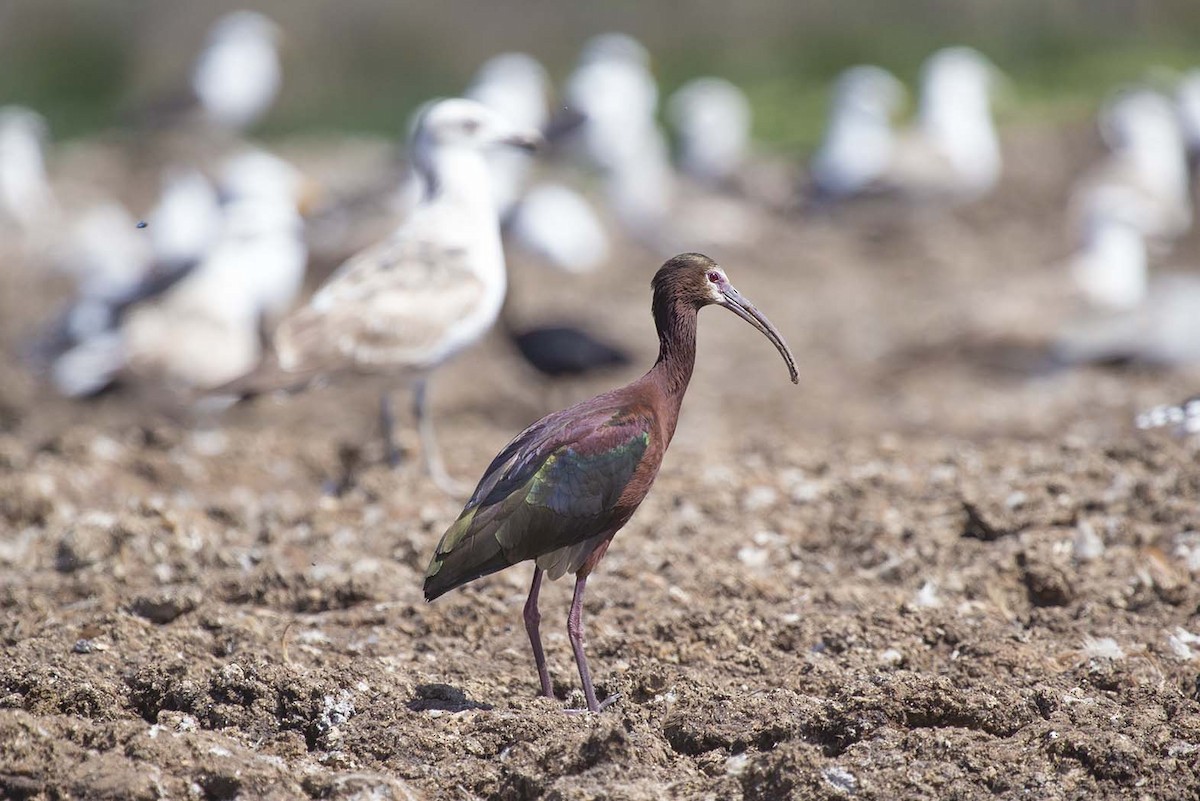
x,y
406,305
561,490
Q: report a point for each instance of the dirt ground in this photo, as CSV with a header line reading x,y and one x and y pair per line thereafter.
x,y
938,568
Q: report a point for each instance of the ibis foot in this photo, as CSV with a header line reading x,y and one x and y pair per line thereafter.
x,y
600,707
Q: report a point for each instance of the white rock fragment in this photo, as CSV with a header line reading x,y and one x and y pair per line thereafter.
x,y
736,764
209,443
766,538
927,596
807,491
677,595
753,557
719,474
1181,641
759,497
891,657
840,779
1087,545
1187,548
1016,500
1102,648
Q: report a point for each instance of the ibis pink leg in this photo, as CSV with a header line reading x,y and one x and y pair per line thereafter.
x,y
532,620
575,632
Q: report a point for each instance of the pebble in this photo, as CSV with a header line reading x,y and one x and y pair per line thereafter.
x,y
753,557
759,497
1087,545
927,596
840,779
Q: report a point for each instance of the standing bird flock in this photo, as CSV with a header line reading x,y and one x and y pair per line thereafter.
x,y
188,301
561,490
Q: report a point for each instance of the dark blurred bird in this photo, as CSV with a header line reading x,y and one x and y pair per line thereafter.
x,y
564,351
561,490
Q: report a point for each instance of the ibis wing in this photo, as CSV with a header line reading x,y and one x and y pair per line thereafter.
x,y
549,489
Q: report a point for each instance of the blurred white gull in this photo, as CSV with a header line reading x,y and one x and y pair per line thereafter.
x,y
1147,164
953,153
712,121
614,92
1163,329
204,328
108,257
557,225
1187,98
26,199
615,97
515,86
1110,266
859,139
405,306
184,223
237,76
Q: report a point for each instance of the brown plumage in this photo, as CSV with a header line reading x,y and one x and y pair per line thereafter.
x,y
561,490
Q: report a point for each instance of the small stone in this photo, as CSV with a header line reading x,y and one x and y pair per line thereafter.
x,y
1102,648
759,498
1088,545
1016,500
83,646
163,607
753,557
736,764
927,597
840,779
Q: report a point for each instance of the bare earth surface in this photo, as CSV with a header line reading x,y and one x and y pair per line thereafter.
x,y
935,569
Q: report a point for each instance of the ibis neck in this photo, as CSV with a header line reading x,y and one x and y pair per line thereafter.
x,y
675,320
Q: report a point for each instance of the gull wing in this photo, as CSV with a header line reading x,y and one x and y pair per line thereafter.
x,y
396,304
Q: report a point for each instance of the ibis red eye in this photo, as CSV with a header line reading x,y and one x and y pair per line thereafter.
x,y
715,277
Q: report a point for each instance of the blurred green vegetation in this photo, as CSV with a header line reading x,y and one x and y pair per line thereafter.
x,y
362,66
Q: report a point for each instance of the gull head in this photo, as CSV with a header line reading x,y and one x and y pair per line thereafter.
x,y
955,75
467,125
1136,116
515,85
615,48
868,89
257,175
24,124
245,25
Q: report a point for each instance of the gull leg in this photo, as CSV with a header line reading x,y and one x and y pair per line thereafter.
x,y
575,632
387,425
431,455
532,618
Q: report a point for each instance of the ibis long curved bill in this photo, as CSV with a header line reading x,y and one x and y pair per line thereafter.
x,y
739,305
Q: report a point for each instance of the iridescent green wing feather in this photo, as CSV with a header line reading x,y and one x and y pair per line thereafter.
x,y
556,485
